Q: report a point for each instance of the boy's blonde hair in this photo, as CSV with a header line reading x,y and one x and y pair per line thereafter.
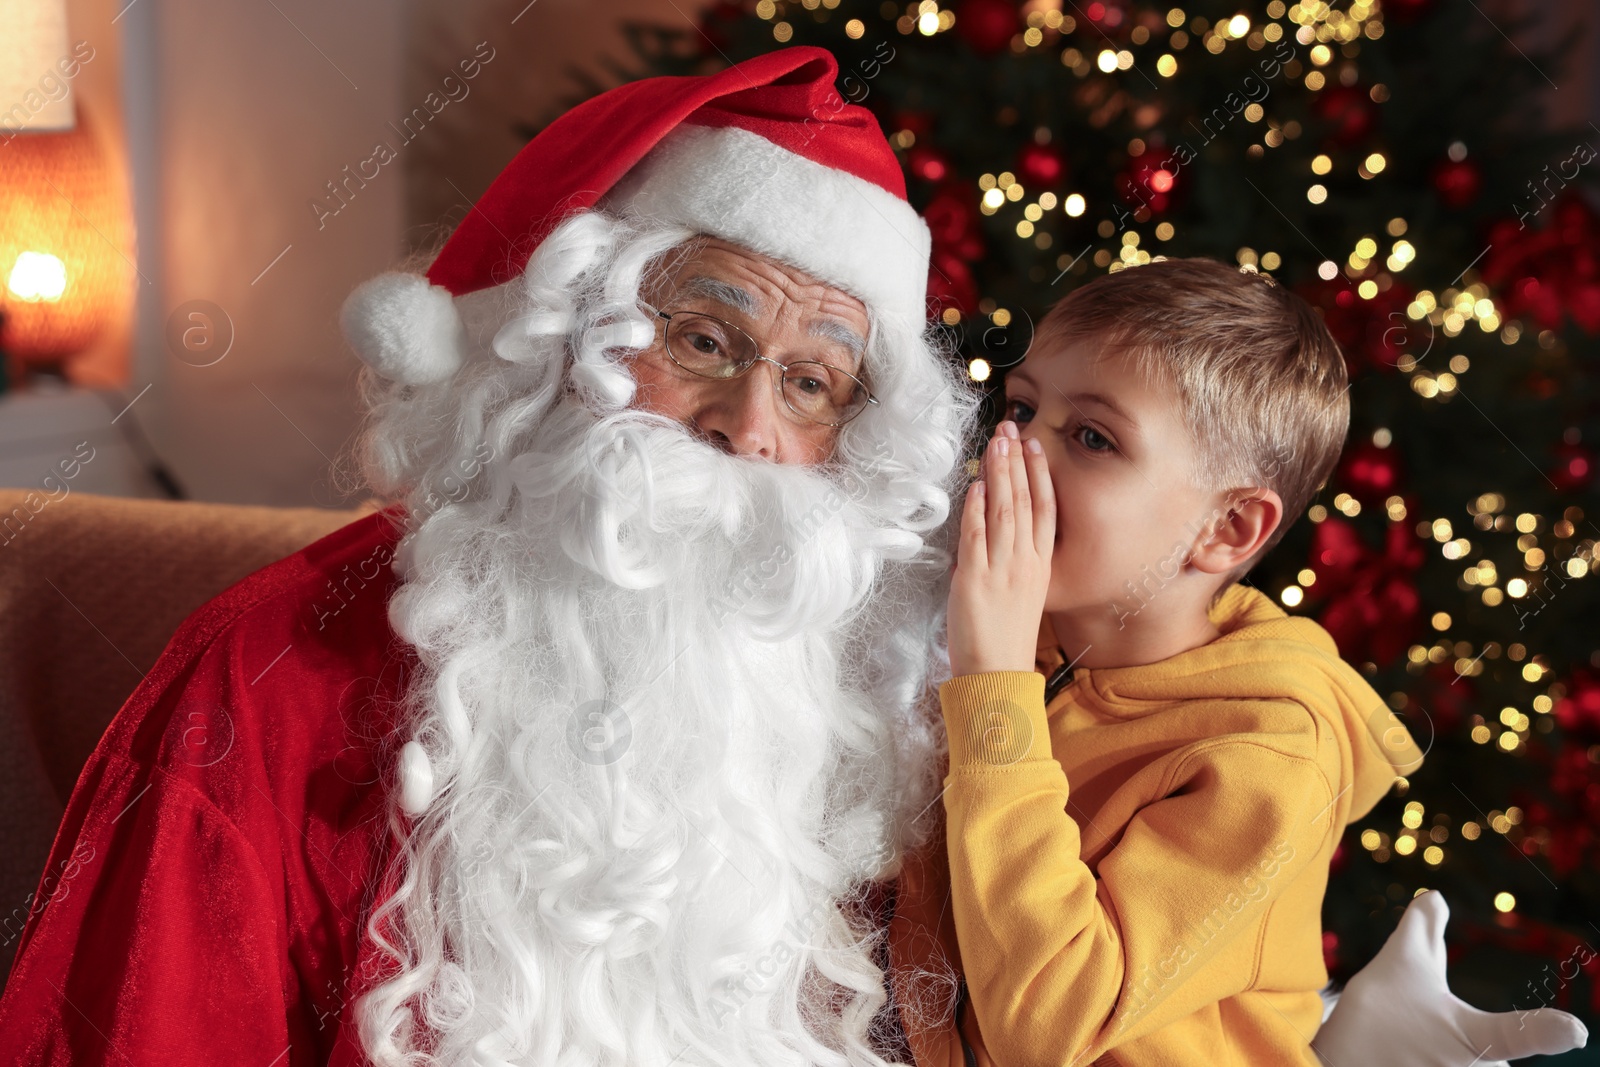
x,y
1260,381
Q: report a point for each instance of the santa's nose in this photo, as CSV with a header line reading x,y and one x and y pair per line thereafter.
x,y
741,415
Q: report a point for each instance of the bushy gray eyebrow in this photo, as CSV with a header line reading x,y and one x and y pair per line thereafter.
x,y
837,332
726,293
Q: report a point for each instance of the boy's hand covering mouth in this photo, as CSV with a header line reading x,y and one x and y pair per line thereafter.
x,y
1002,569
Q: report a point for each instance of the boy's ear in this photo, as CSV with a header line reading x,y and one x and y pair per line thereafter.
x,y
1241,525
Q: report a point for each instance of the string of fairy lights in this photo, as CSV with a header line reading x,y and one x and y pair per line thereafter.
x,y
1332,38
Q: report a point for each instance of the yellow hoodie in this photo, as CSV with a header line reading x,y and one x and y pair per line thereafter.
x,y
1137,871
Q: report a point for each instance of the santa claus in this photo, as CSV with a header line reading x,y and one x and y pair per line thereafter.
x,y
609,742
665,722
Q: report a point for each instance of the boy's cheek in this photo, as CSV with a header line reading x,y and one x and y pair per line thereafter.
x,y
1061,489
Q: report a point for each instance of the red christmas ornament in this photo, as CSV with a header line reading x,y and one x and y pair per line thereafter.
x,y
1369,473
1349,113
927,163
1571,772
1549,274
1371,606
1583,304
1569,842
952,218
1458,182
1109,16
986,25
1574,467
1150,180
1041,165
1579,710
1540,302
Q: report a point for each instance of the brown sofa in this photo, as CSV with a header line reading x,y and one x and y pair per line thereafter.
x,y
91,588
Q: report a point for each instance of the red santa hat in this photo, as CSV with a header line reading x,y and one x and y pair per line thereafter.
x,y
764,154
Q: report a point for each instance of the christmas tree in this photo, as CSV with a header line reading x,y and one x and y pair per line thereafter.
x,y
1389,163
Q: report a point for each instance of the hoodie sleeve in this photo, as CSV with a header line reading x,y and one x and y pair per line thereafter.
x,y
1063,962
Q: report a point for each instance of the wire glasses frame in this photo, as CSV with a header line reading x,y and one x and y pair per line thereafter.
x,y
738,352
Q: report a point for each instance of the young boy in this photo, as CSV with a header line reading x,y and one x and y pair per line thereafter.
x,y
1138,851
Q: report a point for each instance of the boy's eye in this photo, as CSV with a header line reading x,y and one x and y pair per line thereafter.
x,y
1094,440
1011,411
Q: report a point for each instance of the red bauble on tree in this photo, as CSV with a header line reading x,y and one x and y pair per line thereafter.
x,y
1349,113
1041,165
1371,607
1458,182
928,163
1109,17
1574,467
1583,304
952,218
1569,841
1150,180
986,25
1579,710
1369,473
1551,273
1542,303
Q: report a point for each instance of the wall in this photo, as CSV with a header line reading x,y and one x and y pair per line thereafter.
x,y
238,114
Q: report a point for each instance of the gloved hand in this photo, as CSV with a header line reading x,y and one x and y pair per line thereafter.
x,y
1398,1010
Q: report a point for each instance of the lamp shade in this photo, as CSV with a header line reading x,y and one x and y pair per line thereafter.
x,y
63,232
33,52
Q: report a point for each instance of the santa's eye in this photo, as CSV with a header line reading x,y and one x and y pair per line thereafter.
x,y
703,343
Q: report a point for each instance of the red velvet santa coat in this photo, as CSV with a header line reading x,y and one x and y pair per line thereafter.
x,y
224,841
206,896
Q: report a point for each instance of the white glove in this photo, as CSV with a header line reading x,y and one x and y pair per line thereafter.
x,y
1398,1011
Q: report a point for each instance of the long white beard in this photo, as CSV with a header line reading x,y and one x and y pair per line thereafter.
x,y
661,767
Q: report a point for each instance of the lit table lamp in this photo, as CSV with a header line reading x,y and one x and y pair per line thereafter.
x,y
62,223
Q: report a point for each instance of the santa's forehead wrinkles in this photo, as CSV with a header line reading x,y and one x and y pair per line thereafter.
x,y
723,292
772,284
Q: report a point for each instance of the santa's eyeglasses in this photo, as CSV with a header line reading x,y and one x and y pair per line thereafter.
x,y
707,346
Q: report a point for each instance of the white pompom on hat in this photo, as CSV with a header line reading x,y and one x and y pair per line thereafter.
x,y
405,328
